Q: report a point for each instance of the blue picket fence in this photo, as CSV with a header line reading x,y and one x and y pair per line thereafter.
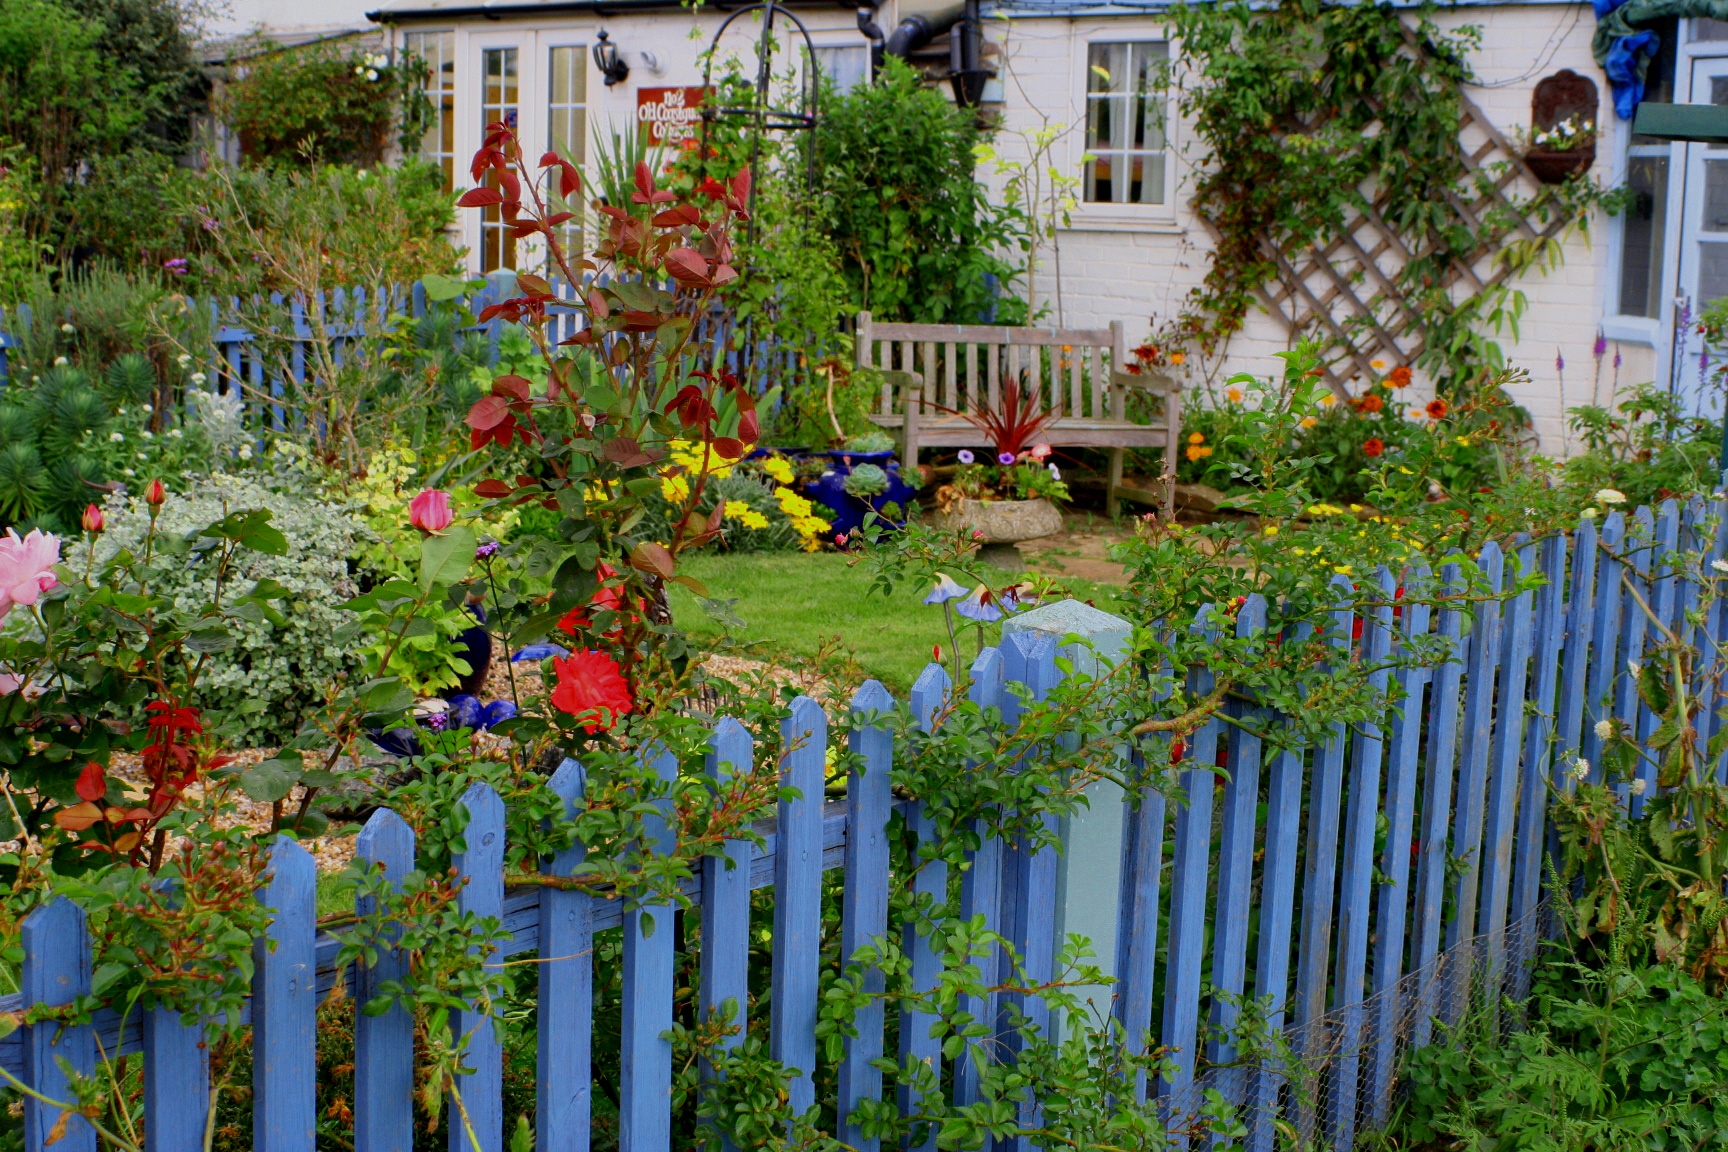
x,y
233,357
1360,890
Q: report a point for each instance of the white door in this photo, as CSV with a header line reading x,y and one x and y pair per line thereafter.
x,y
1703,246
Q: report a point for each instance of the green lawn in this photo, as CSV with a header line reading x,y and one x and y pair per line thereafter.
x,y
792,602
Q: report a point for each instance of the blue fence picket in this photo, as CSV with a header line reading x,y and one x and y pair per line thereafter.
x,y
480,865
798,900
1662,597
1500,818
1028,871
1403,750
1605,640
384,1044
981,884
56,971
1191,853
929,696
1356,891
1137,934
1473,760
1313,973
1437,803
176,1082
726,897
1634,628
1236,873
564,1037
1579,621
285,1006
1544,735
650,957
864,903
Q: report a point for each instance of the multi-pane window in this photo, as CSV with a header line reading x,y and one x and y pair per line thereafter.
x,y
498,105
845,67
438,50
1644,222
567,128
1126,107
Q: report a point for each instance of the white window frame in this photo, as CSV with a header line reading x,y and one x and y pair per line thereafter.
x,y
1093,215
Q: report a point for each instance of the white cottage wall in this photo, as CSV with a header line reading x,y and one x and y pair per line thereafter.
x,y
1138,264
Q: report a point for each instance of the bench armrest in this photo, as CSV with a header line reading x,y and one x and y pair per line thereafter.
x,y
1156,382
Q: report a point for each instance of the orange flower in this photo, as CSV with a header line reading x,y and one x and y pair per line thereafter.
x,y
1177,358
591,687
1372,447
1399,377
1370,403
1437,409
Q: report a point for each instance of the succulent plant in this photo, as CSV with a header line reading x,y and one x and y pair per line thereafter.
x,y
865,481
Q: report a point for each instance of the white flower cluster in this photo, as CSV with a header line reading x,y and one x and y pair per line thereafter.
x,y
371,65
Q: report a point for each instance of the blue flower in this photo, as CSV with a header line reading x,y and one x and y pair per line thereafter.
x,y
1005,459
945,590
978,606
966,456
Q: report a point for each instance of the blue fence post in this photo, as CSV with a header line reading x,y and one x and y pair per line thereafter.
x,y
650,957
726,899
864,902
383,1045
929,696
1403,752
1437,806
1191,856
481,867
981,883
1234,909
56,971
798,900
285,1006
564,1038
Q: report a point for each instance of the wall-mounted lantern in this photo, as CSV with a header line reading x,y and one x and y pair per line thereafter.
x,y
606,60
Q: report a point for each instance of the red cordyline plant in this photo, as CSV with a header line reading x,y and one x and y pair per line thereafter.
x,y
1011,425
632,383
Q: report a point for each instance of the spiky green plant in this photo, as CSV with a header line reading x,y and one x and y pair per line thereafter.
x,y
23,482
130,379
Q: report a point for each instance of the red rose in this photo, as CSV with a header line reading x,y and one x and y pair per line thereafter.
x,y
591,687
1372,447
607,597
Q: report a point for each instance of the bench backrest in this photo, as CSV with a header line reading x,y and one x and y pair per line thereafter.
x,y
964,365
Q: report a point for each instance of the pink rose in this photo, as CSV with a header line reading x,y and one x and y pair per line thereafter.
x,y
430,511
26,567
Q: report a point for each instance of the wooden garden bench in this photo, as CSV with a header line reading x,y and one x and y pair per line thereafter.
x,y
932,371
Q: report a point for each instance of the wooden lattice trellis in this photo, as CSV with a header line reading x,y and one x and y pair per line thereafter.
x,y
1345,292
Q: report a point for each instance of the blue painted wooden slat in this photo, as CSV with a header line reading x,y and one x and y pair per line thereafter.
x,y
564,1038
1634,629
1356,891
1236,873
1709,640
1028,872
929,697
726,895
1605,641
285,1006
1190,859
383,1045
1313,971
1476,746
981,884
1544,736
1500,819
864,902
645,1049
1403,751
56,971
1579,618
176,1083
798,900
1663,597
481,866
1137,934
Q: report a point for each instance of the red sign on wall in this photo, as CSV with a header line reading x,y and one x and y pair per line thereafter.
x,y
669,115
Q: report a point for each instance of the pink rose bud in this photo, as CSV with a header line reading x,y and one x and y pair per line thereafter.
x,y
430,511
93,521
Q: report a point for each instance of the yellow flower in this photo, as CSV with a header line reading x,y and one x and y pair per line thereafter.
x,y
1328,400
1377,365
1342,569
1176,359
1462,441
1309,421
676,489
1196,438
753,519
778,468
1271,530
1234,395
734,509
791,503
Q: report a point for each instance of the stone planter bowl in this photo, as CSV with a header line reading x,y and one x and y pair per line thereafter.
x,y
1004,524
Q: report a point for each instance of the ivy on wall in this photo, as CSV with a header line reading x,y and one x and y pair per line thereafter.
x,y
1333,130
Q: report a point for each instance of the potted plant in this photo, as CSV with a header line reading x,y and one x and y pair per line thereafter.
x,y
1556,153
862,477
1008,498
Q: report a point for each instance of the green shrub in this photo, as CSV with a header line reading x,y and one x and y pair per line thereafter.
x,y
279,671
1647,447
324,103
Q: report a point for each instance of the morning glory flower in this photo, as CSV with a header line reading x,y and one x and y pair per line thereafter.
x,y
966,456
978,607
1005,458
946,589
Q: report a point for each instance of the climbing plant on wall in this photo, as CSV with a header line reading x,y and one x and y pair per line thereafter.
x,y
1354,191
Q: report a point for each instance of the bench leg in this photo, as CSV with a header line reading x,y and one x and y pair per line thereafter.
x,y
1113,503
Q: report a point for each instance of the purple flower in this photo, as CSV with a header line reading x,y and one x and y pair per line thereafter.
x,y
966,456
978,606
1616,355
489,548
176,266
1005,458
1559,361
1600,348
946,589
